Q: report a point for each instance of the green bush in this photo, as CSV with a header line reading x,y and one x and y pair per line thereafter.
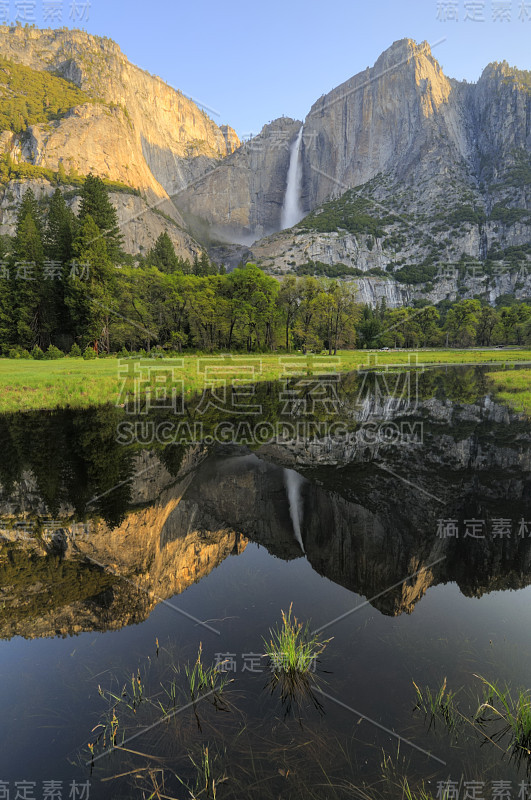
x,y
89,354
53,353
466,213
75,351
507,215
37,353
18,352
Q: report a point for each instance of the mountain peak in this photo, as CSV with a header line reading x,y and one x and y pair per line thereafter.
x,y
403,51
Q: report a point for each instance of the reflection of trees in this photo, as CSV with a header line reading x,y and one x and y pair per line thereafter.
x,y
72,456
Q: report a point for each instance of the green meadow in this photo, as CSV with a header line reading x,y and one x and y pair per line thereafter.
x,y
28,385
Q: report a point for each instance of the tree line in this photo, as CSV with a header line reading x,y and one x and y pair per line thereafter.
x,y
67,286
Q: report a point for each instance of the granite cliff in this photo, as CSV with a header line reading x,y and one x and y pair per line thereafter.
x,y
401,166
404,170
132,129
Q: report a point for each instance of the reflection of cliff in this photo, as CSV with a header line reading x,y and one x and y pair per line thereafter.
x,y
372,529
368,518
113,577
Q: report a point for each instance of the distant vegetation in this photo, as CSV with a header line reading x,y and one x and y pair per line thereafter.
x,y
11,170
163,303
465,213
348,212
416,273
29,96
508,216
318,269
519,175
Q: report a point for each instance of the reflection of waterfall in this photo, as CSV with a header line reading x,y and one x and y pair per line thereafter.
x,y
293,483
291,210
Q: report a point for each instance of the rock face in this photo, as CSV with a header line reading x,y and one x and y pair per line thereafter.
x,y
442,166
137,131
165,129
241,199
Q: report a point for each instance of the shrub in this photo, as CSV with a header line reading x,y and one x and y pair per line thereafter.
x,y
53,353
89,354
75,351
37,353
17,352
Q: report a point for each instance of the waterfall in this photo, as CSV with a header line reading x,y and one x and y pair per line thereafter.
x,y
291,210
293,482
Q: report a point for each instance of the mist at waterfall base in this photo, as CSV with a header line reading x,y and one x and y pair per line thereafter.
x,y
291,210
293,482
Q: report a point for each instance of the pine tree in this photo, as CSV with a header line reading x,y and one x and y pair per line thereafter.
x,y
163,254
60,227
62,178
96,204
91,300
58,247
7,321
32,295
204,264
29,206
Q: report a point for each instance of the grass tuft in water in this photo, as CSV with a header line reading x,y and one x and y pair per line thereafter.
x,y
203,679
421,794
206,781
438,704
514,714
292,648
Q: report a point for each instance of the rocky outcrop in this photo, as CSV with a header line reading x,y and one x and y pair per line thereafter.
x,y
441,165
137,131
91,138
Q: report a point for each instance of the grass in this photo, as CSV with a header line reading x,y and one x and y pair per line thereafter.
x,y
421,794
502,718
514,388
134,703
27,385
206,781
513,714
438,704
292,648
204,679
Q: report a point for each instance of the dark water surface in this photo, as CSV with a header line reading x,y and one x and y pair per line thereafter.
x,y
118,545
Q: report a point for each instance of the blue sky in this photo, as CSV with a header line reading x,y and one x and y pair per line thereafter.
x,y
251,62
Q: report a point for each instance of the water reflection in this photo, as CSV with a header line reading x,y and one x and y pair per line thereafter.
x,y
365,512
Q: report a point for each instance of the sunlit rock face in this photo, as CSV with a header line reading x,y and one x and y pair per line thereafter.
x,y
134,129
